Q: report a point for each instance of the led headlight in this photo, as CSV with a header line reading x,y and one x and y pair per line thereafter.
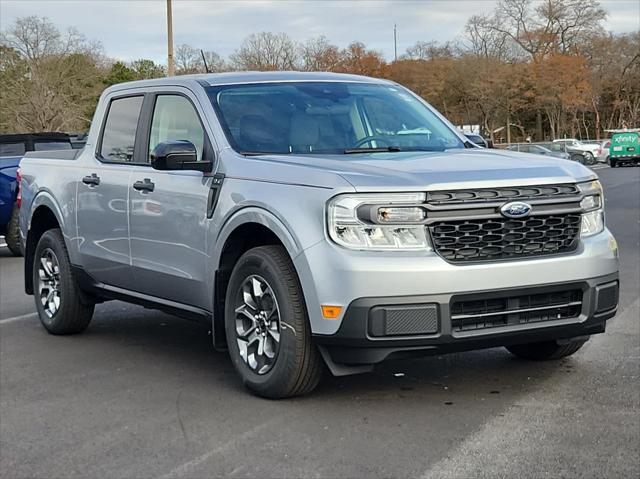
x,y
592,206
378,222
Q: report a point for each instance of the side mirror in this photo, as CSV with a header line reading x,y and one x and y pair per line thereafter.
x,y
178,155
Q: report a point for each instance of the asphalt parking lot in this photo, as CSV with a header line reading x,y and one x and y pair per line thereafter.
x,y
143,394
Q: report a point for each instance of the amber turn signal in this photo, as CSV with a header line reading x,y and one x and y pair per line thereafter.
x,y
331,312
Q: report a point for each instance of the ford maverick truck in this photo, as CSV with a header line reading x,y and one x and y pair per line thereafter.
x,y
317,222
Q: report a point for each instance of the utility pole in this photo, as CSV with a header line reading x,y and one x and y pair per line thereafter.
x,y
170,67
395,42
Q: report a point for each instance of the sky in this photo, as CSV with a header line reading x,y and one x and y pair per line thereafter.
x,y
132,29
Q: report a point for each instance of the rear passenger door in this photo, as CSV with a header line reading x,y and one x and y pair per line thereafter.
x,y
168,219
102,194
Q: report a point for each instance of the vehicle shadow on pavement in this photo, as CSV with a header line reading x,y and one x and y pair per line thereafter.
x,y
141,384
183,344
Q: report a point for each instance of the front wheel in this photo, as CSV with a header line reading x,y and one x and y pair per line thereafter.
x,y
577,157
612,163
59,301
267,326
589,159
545,351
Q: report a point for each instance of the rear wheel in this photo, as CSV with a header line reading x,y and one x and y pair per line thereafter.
x,y
545,351
267,326
59,301
12,236
612,163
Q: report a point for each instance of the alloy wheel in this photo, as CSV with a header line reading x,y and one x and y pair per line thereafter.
x,y
257,321
49,282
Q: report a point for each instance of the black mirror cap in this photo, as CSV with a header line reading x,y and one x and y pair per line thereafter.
x,y
178,155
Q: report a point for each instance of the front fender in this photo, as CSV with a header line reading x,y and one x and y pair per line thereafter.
x,y
254,214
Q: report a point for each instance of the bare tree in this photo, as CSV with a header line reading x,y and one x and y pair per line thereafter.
x,y
215,62
571,22
428,51
36,37
320,55
554,26
53,78
485,41
266,51
187,60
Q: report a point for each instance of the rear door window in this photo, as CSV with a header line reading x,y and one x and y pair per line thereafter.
x,y
119,134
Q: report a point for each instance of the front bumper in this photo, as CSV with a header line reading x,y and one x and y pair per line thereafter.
x,y
331,275
361,340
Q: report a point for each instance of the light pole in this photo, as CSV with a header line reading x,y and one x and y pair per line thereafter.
x,y
395,42
170,67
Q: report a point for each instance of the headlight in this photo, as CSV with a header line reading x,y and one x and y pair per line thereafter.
x,y
378,222
592,206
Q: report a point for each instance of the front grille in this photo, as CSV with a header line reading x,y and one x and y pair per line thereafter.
x,y
501,194
516,308
502,238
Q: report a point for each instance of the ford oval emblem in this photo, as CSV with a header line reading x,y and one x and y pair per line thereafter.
x,y
515,209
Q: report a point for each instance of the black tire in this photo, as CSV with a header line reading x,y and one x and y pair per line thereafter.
x,y
545,351
74,312
589,159
297,367
577,157
613,163
12,235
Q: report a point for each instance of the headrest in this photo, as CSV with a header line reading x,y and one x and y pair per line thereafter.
x,y
304,130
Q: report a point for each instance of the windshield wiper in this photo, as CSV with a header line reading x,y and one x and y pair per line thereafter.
x,y
380,149
393,149
261,153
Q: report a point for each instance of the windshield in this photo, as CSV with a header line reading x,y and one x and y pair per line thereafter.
x,y
327,117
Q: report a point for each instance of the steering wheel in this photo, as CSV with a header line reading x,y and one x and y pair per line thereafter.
x,y
369,139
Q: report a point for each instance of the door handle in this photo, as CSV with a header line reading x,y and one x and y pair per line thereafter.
x,y
93,180
145,186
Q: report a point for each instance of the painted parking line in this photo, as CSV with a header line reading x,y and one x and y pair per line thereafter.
x,y
18,318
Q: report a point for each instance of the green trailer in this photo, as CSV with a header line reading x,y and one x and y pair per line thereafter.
x,y
625,147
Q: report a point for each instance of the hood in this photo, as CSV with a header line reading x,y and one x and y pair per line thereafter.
x,y
474,167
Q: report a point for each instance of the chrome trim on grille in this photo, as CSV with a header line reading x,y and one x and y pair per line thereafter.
x,y
516,311
466,225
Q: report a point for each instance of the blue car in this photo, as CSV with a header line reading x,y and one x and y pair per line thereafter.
x,y
12,149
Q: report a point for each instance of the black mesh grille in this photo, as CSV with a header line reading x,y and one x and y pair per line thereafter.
x,y
500,194
502,238
515,309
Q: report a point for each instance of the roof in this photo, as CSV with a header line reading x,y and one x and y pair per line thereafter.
x,y
234,78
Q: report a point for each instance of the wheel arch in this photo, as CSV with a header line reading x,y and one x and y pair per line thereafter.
x,y
248,228
45,215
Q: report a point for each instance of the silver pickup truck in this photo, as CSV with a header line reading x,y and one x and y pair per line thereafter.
x,y
315,221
